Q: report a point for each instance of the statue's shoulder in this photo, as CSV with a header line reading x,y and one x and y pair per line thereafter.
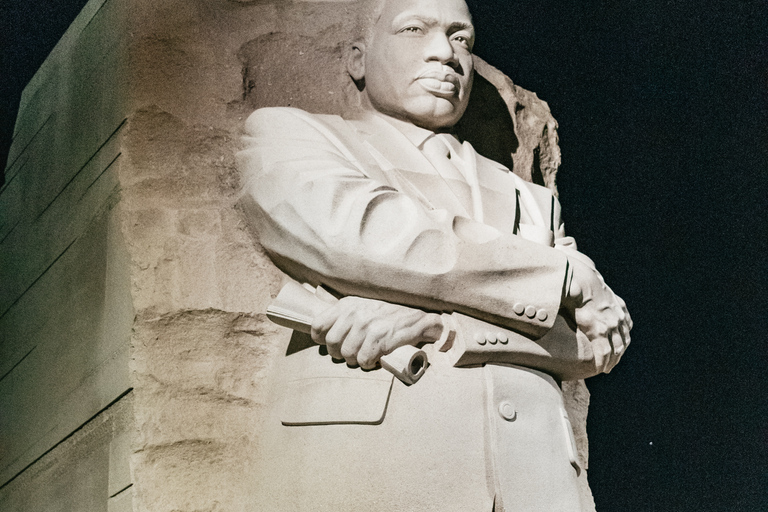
x,y
276,121
281,128
483,160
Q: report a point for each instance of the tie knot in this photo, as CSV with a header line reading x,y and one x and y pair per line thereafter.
x,y
441,145
452,142
435,147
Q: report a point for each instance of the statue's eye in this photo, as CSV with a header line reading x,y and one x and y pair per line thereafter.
x,y
461,39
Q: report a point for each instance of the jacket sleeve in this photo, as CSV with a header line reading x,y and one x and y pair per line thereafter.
x,y
562,352
322,220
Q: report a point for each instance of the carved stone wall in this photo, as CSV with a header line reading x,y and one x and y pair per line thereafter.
x,y
135,357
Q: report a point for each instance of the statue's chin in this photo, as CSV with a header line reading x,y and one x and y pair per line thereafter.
x,y
435,113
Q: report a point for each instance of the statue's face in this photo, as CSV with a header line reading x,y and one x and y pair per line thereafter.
x,y
417,63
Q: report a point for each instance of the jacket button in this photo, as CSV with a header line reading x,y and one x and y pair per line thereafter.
x,y
518,308
479,339
507,411
503,338
490,338
542,315
530,311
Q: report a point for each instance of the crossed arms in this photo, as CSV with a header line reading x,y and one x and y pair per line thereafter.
x,y
326,217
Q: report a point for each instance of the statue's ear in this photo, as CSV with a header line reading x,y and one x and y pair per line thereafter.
x,y
356,61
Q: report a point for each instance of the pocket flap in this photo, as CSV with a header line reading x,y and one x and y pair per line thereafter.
x,y
337,400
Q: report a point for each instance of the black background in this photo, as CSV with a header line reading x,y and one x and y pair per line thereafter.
x,y
662,109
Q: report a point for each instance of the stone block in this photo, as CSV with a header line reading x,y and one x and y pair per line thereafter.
x,y
313,80
73,476
220,356
65,346
122,502
247,279
193,475
200,384
80,94
197,259
175,165
39,238
183,56
302,62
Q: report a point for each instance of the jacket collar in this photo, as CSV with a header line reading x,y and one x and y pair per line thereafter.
x,y
413,133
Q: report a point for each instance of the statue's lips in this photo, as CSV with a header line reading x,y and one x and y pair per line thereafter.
x,y
440,84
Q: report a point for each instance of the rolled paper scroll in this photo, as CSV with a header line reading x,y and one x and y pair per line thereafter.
x,y
296,306
407,363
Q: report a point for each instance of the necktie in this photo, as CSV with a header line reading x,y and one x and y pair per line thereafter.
x,y
438,151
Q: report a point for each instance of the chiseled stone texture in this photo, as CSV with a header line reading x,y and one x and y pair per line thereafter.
x,y
200,385
531,149
126,266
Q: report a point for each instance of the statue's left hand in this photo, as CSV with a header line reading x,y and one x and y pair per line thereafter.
x,y
360,330
599,313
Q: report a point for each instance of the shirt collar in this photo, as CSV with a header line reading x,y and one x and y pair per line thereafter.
x,y
413,133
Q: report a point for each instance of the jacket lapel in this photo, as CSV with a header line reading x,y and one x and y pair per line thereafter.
x,y
406,168
498,194
391,145
507,201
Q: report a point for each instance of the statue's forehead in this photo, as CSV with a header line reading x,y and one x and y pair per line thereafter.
x,y
387,10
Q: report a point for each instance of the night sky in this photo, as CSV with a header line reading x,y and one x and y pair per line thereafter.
x,y
662,106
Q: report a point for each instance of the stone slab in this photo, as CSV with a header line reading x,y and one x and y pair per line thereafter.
x,y
73,475
123,502
36,241
76,361
82,82
119,461
201,355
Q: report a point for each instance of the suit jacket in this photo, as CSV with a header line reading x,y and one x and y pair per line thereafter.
x,y
355,206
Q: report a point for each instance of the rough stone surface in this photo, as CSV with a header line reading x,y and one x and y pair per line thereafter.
x,y
532,142
200,385
138,113
268,82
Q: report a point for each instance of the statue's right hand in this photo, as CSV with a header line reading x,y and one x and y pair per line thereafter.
x,y
600,314
360,330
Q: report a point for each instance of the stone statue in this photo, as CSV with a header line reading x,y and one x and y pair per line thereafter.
x,y
425,242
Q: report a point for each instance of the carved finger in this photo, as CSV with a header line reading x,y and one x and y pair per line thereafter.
x,y
352,343
321,324
626,326
370,351
336,335
617,343
601,348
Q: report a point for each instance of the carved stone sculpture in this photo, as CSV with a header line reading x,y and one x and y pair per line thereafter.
x,y
426,243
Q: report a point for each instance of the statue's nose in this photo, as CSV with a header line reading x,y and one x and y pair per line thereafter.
x,y
439,48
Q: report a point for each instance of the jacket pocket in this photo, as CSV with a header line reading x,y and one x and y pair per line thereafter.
x,y
318,391
336,400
